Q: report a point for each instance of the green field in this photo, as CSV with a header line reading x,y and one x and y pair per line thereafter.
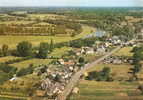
x,y
34,61
126,51
59,52
12,41
92,90
7,58
119,89
1,98
118,72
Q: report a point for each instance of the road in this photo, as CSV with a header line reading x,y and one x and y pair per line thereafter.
x,y
77,75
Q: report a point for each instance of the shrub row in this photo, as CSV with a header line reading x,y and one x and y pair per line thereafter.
x,y
17,60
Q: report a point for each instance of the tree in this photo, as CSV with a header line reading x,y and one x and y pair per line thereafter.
x,y
4,50
6,72
81,60
51,46
25,71
43,50
106,71
24,49
103,75
137,57
140,87
136,68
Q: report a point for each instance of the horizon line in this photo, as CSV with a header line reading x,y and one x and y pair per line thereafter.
x,y
80,6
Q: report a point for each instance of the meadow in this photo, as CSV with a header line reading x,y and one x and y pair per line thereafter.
x,y
92,90
12,41
118,72
8,58
35,62
126,51
119,89
8,99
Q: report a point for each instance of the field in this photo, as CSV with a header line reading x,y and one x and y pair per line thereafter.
x,y
119,72
16,22
119,89
7,58
48,16
34,61
92,90
126,51
59,52
8,99
12,41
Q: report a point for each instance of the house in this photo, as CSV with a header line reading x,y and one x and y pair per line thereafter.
x,y
115,40
90,51
40,93
69,63
61,61
78,52
75,90
101,50
107,44
87,50
117,61
13,79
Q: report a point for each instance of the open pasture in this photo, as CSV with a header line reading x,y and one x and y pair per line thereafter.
x,y
34,61
7,58
12,41
126,51
118,72
92,90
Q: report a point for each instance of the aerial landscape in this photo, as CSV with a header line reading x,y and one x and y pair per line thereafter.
x,y
71,50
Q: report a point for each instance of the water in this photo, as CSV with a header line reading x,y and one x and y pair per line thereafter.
x,y
98,33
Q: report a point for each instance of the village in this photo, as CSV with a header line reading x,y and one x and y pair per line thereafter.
x,y
61,53
55,81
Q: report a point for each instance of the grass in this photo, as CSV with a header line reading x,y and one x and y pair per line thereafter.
x,y
7,58
16,22
59,52
119,72
34,61
4,98
92,90
126,51
12,41
43,16
119,89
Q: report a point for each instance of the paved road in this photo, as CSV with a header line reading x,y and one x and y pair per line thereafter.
x,y
77,76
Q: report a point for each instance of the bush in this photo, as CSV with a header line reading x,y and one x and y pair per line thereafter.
x,y
17,60
6,72
6,68
24,49
4,50
43,50
81,60
103,75
25,71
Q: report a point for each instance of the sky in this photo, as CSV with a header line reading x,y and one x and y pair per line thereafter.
x,y
89,3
